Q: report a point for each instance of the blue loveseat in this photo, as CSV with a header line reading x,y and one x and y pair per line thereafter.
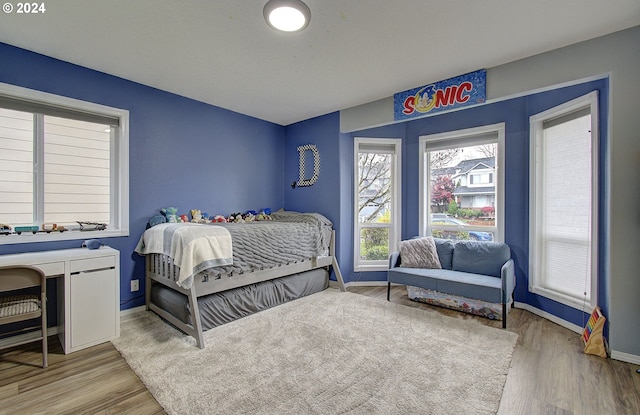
x,y
477,270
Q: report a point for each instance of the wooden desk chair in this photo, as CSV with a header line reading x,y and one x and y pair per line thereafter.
x,y
21,306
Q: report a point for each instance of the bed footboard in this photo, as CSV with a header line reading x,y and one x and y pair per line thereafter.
x,y
160,268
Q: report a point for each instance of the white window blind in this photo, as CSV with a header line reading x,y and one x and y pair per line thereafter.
x,y
57,166
62,161
16,167
76,171
566,179
563,245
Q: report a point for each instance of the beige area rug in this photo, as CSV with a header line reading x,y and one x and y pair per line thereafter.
x,y
329,353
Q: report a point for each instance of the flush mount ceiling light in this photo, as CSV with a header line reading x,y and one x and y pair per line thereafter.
x,y
287,15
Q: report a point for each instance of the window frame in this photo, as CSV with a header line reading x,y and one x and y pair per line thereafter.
x,y
459,138
360,265
119,163
536,130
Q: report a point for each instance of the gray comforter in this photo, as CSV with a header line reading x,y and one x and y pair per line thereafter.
x,y
289,238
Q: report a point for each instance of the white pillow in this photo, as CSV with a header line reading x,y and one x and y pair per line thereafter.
x,y
419,253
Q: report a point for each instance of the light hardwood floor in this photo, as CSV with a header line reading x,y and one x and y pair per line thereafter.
x,y
549,372
549,375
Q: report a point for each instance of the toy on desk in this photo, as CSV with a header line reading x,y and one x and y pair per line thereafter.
x,y
52,227
92,226
594,342
30,228
92,244
46,227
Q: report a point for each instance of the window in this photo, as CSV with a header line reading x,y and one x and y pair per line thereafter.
x,y
563,197
62,161
377,202
478,179
461,184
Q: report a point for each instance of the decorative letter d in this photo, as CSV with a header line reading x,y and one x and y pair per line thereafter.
x,y
316,165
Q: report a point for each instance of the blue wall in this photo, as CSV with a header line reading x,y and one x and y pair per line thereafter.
x,y
322,196
325,195
183,153
188,154
515,114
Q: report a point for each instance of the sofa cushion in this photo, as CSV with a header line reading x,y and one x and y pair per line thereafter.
x,y
485,258
477,286
445,251
419,253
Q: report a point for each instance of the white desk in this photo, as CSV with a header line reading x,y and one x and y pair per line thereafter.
x,y
88,286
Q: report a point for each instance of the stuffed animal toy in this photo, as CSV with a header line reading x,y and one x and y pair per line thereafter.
x,y
156,220
183,218
263,215
219,219
170,213
196,215
235,218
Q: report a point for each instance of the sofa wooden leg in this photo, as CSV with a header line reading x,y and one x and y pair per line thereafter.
x,y
389,291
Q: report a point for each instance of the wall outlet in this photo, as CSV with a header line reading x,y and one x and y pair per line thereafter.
x,y
135,285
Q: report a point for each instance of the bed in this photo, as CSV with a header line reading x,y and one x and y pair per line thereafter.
x,y
252,266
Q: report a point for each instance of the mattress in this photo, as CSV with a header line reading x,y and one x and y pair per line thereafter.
x,y
205,250
226,306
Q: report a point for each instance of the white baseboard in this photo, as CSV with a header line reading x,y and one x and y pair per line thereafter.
x,y
367,284
334,284
132,310
625,357
51,331
550,317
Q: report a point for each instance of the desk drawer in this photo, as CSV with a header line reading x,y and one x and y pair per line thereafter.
x,y
79,265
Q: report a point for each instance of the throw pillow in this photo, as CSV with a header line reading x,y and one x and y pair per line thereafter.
x,y
419,253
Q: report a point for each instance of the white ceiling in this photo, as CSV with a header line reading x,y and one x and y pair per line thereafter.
x,y
354,51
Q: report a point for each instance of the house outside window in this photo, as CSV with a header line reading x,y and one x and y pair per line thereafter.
x,y
377,167
63,166
461,184
474,180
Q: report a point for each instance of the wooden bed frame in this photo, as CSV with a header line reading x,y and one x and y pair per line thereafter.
x,y
161,269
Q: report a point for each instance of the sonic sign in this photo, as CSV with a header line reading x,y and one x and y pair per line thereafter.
x,y
461,91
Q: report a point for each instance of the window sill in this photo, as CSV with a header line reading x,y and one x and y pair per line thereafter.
x,y
584,305
29,238
371,268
